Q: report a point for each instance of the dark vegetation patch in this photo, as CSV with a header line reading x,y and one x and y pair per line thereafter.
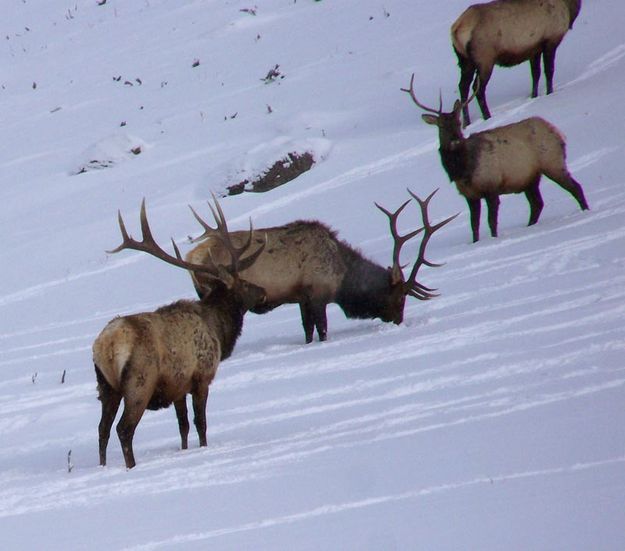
x,y
281,172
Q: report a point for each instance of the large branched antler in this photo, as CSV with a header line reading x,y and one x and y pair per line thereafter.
x,y
223,234
398,240
149,245
412,286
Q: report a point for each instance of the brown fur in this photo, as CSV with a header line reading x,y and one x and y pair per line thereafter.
x,y
298,257
153,359
506,159
305,263
507,33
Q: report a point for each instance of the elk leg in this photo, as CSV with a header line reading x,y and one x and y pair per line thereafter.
x,y
534,198
484,74
549,61
126,428
321,320
475,211
567,182
467,71
183,421
200,398
110,404
578,193
492,202
535,68
308,320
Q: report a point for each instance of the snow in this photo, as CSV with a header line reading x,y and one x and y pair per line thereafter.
x,y
492,418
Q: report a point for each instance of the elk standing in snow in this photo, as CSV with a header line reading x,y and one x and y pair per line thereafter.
x,y
507,33
304,262
506,159
154,359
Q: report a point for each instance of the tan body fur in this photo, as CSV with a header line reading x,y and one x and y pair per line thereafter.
x,y
507,33
506,159
163,353
304,262
299,258
153,359
510,156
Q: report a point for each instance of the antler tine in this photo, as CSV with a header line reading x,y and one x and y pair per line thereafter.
x,y
150,246
235,252
418,103
220,219
222,229
125,237
414,288
398,240
208,231
222,232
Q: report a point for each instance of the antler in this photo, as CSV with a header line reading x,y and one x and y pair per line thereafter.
x,y
438,111
222,232
412,286
419,104
149,245
398,240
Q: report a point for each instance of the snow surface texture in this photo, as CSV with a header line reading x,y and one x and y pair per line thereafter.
x,y
492,419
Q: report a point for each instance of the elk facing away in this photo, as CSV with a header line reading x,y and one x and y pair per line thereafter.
x,y
154,359
304,262
507,33
506,159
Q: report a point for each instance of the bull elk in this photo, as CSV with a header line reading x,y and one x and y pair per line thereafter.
x,y
507,33
305,262
154,359
506,159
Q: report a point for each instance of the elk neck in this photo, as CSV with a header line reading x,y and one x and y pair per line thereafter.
x,y
458,156
223,311
366,287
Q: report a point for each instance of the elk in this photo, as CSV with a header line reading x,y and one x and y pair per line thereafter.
x,y
154,359
305,262
505,159
507,33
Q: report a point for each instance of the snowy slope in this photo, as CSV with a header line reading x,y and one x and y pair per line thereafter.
x,y
492,419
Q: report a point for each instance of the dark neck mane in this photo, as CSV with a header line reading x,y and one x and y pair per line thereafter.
x,y
225,314
365,287
459,157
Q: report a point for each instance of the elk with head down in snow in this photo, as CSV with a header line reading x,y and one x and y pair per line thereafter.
x,y
305,263
154,359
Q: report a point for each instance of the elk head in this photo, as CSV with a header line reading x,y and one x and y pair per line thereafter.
x,y
449,124
224,277
402,287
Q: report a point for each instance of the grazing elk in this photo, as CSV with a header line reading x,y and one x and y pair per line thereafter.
x,y
507,33
154,359
305,262
506,159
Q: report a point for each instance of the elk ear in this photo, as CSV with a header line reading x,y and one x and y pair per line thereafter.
x,y
457,106
430,119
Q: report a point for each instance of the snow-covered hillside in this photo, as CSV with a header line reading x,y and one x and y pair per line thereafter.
x,y
493,418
